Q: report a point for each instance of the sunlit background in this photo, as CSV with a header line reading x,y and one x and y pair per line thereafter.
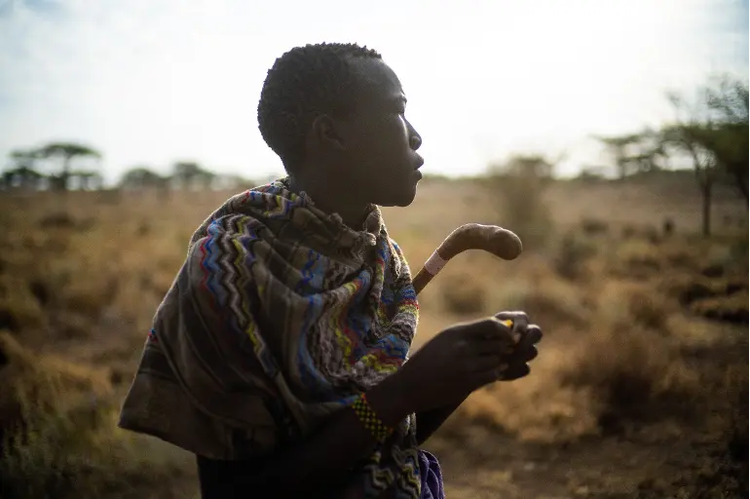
x,y
153,82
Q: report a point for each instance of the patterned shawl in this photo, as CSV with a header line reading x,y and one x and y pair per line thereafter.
x,y
279,317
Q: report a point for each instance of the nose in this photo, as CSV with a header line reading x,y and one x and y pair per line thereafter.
x,y
415,140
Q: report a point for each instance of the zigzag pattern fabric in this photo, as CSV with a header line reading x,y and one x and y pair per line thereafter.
x,y
280,316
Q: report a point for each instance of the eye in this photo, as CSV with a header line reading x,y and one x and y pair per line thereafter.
x,y
399,106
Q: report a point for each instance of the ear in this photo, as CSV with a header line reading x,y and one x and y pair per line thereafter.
x,y
326,132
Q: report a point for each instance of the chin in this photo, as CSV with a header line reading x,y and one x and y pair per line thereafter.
x,y
401,199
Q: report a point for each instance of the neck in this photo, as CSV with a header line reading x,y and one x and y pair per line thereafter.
x,y
330,198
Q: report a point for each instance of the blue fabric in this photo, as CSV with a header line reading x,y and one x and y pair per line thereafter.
x,y
431,475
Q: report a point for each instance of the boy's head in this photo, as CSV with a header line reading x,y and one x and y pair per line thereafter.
x,y
337,111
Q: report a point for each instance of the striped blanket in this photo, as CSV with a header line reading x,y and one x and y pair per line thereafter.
x,y
279,317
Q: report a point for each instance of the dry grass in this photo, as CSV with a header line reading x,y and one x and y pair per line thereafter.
x,y
59,437
623,318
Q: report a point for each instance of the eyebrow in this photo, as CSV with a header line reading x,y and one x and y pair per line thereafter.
x,y
399,99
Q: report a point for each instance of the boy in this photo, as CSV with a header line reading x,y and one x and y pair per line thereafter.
x,y
278,355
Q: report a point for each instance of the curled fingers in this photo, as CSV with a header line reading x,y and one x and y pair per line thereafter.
x,y
520,323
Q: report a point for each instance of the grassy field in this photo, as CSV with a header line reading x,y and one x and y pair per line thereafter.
x,y
640,389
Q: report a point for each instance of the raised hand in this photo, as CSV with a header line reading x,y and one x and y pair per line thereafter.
x,y
456,362
525,337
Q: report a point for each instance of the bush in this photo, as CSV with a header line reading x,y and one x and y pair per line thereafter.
x,y
58,435
20,309
732,308
637,258
572,256
51,416
648,309
516,188
594,227
631,375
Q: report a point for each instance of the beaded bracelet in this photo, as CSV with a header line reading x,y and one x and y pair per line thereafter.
x,y
370,419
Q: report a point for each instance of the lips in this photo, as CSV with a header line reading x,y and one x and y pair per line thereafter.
x,y
420,162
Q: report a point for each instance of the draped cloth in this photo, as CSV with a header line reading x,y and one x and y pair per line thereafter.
x,y
279,317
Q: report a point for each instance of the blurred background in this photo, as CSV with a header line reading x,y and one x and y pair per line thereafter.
x,y
611,136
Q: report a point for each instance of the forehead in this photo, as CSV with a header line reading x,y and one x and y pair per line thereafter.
x,y
376,80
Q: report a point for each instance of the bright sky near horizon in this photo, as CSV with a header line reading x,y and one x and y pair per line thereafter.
x,y
150,82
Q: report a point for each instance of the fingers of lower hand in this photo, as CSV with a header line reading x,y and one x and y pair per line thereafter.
x,y
495,356
513,316
529,338
520,328
519,320
486,363
515,371
502,346
517,364
533,334
524,353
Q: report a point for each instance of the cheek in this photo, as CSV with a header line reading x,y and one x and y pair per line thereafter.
x,y
403,128
381,147
391,130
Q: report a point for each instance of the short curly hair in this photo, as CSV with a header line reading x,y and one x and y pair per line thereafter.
x,y
303,83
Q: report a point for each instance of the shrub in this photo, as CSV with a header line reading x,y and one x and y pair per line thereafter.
x,y
572,255
516,188
631,375
594,227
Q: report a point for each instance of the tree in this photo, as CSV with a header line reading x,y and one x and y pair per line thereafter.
x,y
22,177
22,173
141,177
517,186
531,166
713,131
618,147
690,135
727,100
87,179
66,153
690,138
650,154
231,182
636,152
189,174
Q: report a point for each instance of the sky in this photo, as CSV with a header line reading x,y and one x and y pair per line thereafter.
x,y
152,82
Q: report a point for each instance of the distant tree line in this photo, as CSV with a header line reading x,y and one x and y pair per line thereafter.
x,y
64,166
185,175
709,132
65,163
